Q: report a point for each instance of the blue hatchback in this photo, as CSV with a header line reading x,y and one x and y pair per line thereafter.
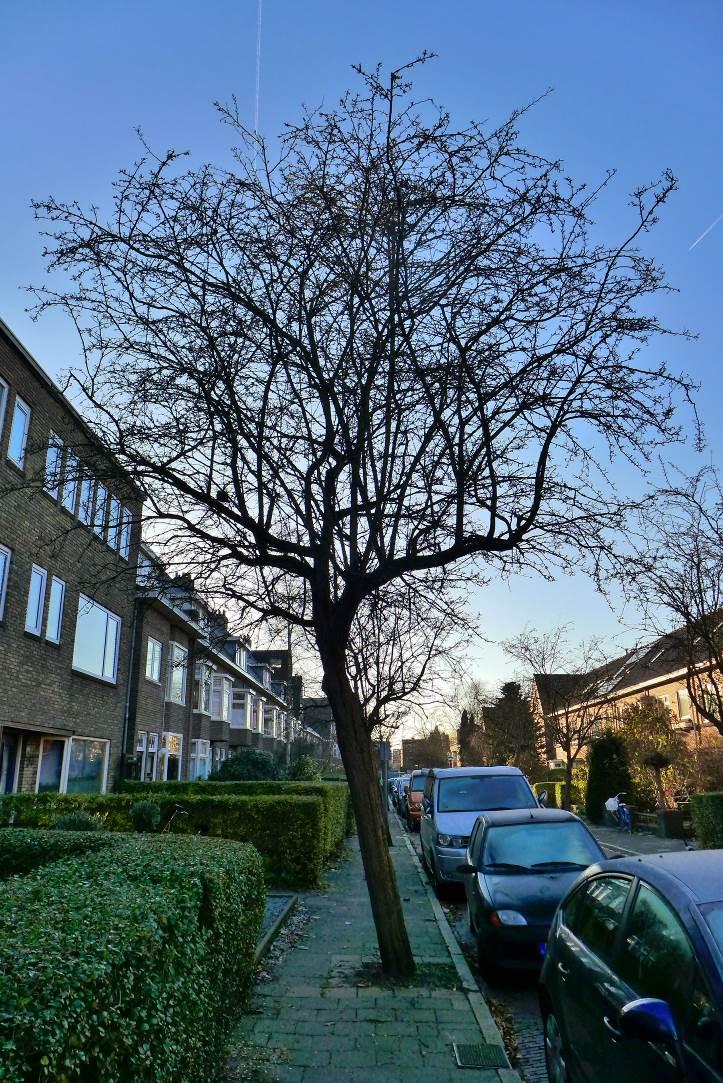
x,y
631,989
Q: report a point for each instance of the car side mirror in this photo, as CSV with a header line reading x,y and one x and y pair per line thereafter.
x,y
649,1020
466,870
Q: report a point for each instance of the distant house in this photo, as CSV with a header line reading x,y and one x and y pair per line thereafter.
x,y
432,751
319,722
658,669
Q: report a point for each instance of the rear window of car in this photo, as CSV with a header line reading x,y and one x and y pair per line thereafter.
x,y
483,793
418,784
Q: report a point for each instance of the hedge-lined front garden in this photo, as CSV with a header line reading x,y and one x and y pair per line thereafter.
x,y
707,815
126,963
335,795
289,830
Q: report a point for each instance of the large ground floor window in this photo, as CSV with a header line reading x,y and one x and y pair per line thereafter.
x,y
87,766
200,766
171,753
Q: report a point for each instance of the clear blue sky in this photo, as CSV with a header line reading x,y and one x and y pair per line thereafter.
x,y
637,86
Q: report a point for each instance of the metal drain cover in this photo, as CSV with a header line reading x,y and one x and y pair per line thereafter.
x,y
482,1055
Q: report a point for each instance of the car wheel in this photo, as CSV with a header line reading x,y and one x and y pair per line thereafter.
x,y
555,1052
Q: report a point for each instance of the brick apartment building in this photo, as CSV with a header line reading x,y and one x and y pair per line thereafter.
x,y
69,533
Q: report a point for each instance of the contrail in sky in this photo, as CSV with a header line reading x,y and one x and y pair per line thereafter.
x,y
258,67
703,234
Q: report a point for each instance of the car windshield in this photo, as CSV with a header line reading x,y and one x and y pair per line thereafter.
x,y
482,793
540,847
418,784
713,914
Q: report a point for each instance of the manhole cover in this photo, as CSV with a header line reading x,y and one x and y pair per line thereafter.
x,y
482,1055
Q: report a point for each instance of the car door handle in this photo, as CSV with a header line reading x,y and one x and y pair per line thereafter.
x,y
564,970
615,1031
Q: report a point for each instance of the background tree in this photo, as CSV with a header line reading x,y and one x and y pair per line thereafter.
x,y
608,774
568,685
394,348
509,730
471,699
660,764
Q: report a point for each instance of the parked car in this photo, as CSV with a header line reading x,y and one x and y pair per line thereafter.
x,y
413,793
398,792
519,865
453,799
631,988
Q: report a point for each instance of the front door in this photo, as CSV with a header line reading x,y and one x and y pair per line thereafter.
x,y
9,750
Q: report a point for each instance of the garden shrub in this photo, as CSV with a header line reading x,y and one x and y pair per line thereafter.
x,y
145,815
249,764
707,815
608,774
290,830
129,963
22,850
77,821
305,769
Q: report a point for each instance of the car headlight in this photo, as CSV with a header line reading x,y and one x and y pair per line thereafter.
x,y
457,842
507,917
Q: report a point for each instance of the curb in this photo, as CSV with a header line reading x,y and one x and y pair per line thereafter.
x,y
273,931
478,1004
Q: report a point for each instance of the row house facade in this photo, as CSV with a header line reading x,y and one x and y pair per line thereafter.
x,y
658,669
109,668
69,535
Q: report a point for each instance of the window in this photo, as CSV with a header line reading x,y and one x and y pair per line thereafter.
x,y
594,912
200,760
71,482
36,600
147,749
154,656
19,432
125,534
683,704
87,765
101,504
50,767
3,403
202,689
85,512
4,575
177,671
114,524
97,637
55,610
53,461
221,699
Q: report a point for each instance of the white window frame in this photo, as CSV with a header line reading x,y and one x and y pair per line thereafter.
x,y
4,396
114,523
124,537
681,692
164,754
224,685
173,649
71,483
155,658
24,408
53,473
101,505
111,617
85,508
64,765
53,636
200,750
36,627
66,761
8,554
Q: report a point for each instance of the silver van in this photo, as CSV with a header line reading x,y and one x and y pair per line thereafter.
x,y
453,799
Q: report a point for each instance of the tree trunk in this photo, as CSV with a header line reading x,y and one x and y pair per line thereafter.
x,y
371,820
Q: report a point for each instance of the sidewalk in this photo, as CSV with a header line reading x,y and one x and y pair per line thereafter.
x,y
619,842
323,1019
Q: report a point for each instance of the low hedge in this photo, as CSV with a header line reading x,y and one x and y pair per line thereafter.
x,y
707,814
555,793
129,963
22,850
289,831
335,795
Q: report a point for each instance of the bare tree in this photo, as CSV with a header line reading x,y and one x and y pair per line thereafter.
x,y
568,685
392,349
677,573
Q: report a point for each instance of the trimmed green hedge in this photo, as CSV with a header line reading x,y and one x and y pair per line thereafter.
x,y
335,795
707,815
129,963
22,850
289,831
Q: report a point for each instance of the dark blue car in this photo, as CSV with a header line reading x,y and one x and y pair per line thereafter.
x,y
631,990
